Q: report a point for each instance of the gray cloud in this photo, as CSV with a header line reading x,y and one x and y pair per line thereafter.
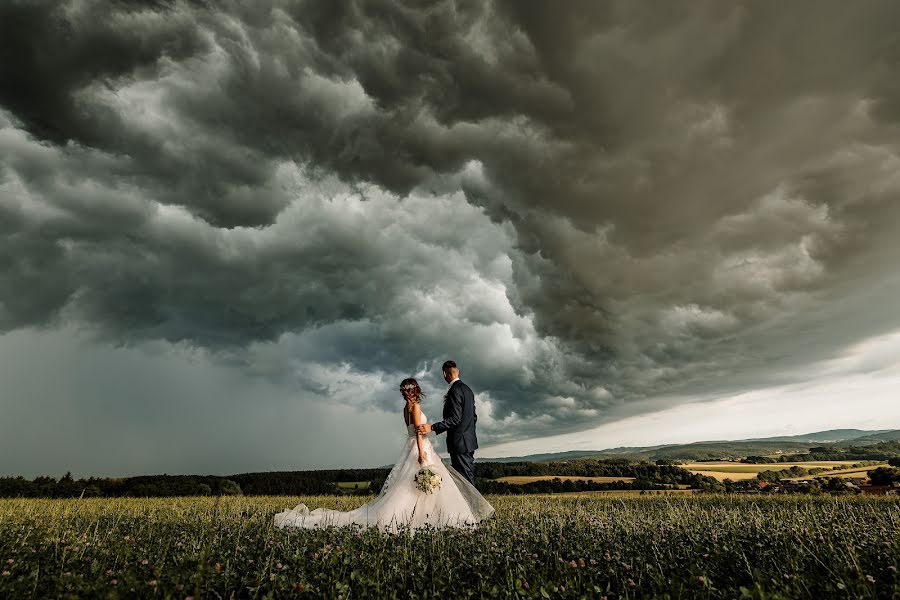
x,y
587,207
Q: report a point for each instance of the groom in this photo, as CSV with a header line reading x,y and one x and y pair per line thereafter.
x,y
459,423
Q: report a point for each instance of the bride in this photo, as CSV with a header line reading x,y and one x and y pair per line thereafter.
x,y
401,504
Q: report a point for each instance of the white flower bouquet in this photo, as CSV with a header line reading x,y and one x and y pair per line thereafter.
x,y
427,480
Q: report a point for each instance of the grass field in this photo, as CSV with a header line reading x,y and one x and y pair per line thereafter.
x,y
522,479
572,546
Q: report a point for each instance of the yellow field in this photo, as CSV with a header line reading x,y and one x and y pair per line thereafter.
x,y
723,475
846,473
735,471
522,479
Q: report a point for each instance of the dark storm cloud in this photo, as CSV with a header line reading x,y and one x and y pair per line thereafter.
x,y
585,205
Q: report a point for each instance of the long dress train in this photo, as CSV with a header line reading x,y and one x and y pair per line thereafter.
x,y
399,505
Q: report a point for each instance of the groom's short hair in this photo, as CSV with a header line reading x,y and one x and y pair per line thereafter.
x,y
448,364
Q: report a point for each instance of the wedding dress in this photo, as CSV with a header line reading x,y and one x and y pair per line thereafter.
x,y
400,505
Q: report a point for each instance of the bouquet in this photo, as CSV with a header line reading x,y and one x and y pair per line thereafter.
x,y
427,480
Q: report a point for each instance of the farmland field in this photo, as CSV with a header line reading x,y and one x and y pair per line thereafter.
x,y
846,473
723,475
736,470
674,546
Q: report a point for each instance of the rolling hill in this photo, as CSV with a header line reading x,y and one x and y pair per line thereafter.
x,y
722,449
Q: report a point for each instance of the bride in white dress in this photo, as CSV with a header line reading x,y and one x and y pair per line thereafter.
x,y
400,505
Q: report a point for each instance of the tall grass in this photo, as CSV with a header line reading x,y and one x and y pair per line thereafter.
x,y
535,547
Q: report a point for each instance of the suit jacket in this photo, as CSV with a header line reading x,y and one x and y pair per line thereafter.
x,y
459,419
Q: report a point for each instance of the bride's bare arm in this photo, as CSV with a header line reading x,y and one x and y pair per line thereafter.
x,y
417,419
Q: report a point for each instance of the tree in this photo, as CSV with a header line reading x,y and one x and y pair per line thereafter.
x,y
230,488
884,475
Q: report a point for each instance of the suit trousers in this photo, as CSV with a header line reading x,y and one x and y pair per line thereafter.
x,y
465,464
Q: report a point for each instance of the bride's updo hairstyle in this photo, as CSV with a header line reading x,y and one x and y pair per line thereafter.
x,y
411,384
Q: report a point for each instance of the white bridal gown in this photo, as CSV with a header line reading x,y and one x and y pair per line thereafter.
x,y
399,505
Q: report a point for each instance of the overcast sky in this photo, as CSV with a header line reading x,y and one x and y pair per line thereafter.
x,y
228,230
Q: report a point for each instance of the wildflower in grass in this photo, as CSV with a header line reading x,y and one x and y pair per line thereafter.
x,y
702,580
6,573
10,561
870,579
152,583
113,582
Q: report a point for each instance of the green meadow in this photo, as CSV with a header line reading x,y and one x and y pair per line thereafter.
x,y
663,546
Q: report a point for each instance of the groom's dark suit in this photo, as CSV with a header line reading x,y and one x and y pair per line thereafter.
x,y
459,423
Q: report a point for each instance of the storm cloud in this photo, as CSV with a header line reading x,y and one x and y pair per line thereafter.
x,y
590,206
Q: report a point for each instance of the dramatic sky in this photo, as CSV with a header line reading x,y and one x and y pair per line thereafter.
x,y
229,229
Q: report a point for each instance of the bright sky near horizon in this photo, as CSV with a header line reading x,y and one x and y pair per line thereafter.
x,y
227,232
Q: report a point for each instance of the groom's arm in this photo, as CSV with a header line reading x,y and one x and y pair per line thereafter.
x,y
455,399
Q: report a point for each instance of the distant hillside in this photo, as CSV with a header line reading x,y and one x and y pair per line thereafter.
x,y
875,438
824,437
722,449
575,454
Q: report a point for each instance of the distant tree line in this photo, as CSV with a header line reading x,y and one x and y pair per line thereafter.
x,y
149,485
646,476
832,485
275,483
662,471
300,483
558,485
